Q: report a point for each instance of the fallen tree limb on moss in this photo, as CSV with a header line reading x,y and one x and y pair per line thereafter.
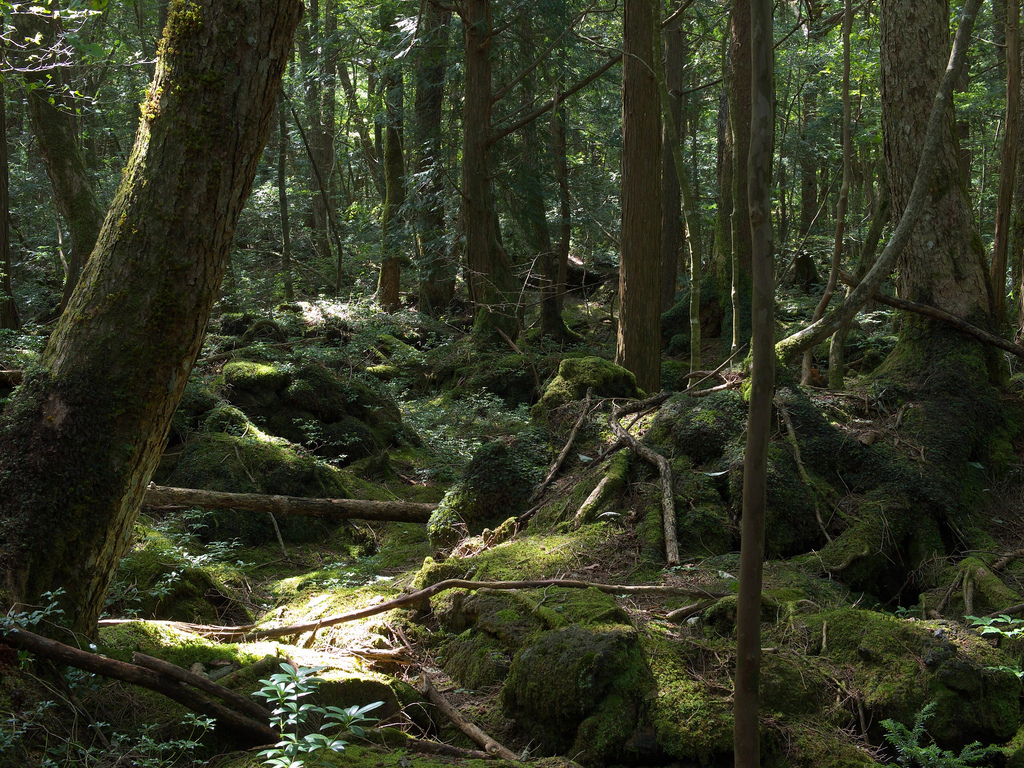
x,y
249,633
584,411
332,509
668,504
491,747
10,378
392,738
246,728
944,317
791,432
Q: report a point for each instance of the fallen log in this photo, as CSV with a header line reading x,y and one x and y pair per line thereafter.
x,y
11,378
491,747
247,729
332,509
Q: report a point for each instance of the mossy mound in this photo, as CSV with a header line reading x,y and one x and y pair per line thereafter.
x,y
253,462
699,428
901,665
578,374
510,377
155,581
495,486
341,418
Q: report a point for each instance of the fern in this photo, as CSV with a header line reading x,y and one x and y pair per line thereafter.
x,y
911,753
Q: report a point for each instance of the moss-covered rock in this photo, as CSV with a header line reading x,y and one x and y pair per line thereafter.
x,y
698,427
578,374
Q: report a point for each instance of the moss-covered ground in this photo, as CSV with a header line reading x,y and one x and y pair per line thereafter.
x,y
877,550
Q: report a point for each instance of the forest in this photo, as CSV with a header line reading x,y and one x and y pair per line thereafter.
x,y
454,382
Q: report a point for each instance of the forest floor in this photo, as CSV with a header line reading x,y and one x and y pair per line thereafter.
x,y
339,400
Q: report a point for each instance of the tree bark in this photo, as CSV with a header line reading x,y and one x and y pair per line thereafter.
x,y
746,727
639,339
671,197
282,197
51,113
81,437
331,509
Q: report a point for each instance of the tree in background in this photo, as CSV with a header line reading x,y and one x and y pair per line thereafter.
x,y
81,437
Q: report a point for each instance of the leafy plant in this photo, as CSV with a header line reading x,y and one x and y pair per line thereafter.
x,y
910,752
1002,625
284,690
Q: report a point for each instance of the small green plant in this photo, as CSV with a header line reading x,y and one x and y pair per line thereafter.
x,y
1002,625
910,752
284,691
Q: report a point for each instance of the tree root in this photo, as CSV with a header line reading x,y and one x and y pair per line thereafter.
x,y
791,433
584,412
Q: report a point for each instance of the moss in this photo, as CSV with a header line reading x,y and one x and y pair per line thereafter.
x,y
576,375
165,642
474,660
698,427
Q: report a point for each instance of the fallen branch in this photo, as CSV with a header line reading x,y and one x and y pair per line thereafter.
x,y
491,747
584,411
247,729
249,633
944,317
10,378
668,505
236,700
332,509
396,739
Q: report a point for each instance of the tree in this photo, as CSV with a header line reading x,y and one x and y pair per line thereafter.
x,y
746,730
8,308
1008,165
51,110
639,339
738,76
81,437
394,176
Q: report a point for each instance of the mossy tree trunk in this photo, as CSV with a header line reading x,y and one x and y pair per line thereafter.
x,y
671,197
738,78
51,113
81,437
436,270
639,339
282,197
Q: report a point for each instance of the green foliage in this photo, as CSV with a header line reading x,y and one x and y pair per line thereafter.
x,y
910,752
284,691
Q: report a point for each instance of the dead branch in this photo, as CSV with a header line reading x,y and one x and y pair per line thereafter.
x,y
245,728
584,411
236,700
668,505
331,509
249,633
396,739
10,378
491,747
1005,560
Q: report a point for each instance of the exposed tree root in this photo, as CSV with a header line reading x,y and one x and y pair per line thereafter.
x,y
584,412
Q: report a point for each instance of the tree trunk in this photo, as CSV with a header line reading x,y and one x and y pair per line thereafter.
x,y
746,726
739,123
81,437
51,113
492,285
436,270
944,262
394,181
1008,163
639,338
671,197
9,319
564,202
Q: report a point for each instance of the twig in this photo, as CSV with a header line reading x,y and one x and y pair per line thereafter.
x,y
491,747
791,432
396,739
565,450
679,615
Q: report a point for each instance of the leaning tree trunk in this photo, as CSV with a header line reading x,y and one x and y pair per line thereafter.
x,y
51,113
81,437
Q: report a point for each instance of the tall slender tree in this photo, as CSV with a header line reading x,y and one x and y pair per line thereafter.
x,y
639,338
